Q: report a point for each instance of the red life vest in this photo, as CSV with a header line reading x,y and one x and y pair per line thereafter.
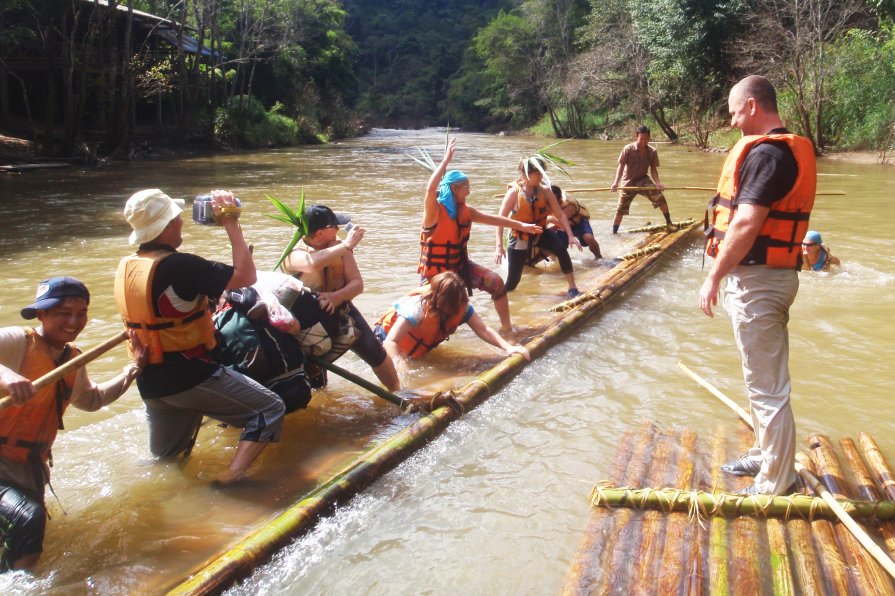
x,y
780,236
133,297
28,431
443,246
428,333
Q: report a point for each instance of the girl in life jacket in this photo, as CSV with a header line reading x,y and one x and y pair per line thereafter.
x,y
428,315
529,199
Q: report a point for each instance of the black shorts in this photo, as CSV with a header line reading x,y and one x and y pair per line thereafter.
x,y
23,522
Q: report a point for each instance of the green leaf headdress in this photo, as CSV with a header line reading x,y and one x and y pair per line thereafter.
x,y
425,159
542,156
294,218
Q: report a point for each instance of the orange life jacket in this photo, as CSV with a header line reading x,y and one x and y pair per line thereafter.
x,y
27,431
133,297
579,213
533,211
779,239
428,333
443,246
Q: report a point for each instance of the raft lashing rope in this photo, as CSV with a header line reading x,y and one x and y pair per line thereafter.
x,y
701,536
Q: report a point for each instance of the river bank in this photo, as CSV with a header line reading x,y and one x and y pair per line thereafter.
x,y
16,151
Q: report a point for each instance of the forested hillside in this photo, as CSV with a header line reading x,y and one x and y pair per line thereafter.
x,y
96,74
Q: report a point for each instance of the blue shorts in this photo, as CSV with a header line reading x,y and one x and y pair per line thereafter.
x,y
581,228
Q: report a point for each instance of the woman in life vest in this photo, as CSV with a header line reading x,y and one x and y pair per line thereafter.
x,y
28,427
529,199
428,315
815,255
446,226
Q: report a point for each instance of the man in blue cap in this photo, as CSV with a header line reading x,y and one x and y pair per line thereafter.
x,y
28,426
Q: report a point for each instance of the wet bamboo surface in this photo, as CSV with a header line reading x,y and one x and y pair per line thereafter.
x,y
223,570
660,551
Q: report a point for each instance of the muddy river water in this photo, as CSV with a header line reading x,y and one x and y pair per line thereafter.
x,y
498,502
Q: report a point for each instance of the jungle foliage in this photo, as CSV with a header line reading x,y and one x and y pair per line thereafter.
x,y
310,70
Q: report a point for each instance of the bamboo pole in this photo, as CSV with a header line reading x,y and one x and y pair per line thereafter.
x,y
638,534
867,490
585,567
222,570
679,532
654,189
75,363
732,505
865,573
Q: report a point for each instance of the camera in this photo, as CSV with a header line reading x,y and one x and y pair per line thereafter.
x,y
348,226
203,213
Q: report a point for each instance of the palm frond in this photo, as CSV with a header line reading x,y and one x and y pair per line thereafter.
x,y
295,218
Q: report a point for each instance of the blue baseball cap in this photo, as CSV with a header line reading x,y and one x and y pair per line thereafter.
x,y
52,292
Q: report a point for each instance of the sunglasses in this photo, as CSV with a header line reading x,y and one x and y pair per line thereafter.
x,y
809,243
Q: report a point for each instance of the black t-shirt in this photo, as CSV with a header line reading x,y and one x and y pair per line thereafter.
x,y
180,280
768,173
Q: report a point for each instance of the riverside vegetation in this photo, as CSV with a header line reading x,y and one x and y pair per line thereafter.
x,y
280,72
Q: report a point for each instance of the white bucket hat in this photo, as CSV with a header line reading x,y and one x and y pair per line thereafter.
x,y
149,212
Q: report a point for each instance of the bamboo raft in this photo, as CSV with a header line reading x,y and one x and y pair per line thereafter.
x,y
221,571
702,538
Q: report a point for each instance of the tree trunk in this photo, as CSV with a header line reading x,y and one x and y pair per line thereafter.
x,y
658,113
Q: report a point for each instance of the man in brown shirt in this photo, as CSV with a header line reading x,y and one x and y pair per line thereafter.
x,y
633,163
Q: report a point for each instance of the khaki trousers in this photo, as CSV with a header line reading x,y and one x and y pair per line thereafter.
x,y
757,301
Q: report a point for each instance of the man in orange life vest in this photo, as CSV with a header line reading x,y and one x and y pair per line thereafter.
x,y
765,196
163,296
28,427
447,221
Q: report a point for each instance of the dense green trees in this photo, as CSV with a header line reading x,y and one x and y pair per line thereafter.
x,y
258,72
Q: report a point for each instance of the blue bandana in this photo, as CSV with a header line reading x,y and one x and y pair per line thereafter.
x,y
445,196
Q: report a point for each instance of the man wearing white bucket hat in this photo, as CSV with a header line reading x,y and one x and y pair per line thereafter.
x,y
163,296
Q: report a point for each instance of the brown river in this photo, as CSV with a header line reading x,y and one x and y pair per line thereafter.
x,y
495,505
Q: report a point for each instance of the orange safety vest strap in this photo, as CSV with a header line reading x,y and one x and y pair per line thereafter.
x,y
133,296
27,431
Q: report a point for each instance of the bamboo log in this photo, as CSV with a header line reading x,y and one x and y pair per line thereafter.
x,y
626,273
717,560
585,567
660,227
881,469
227,567
822,530
638,535
827,546
747,542
866,574
867,489
677,546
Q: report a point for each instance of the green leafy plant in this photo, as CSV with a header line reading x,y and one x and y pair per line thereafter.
x,y
293,218
542,155
425,159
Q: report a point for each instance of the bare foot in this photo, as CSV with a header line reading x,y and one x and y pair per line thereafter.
x,y
230,477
